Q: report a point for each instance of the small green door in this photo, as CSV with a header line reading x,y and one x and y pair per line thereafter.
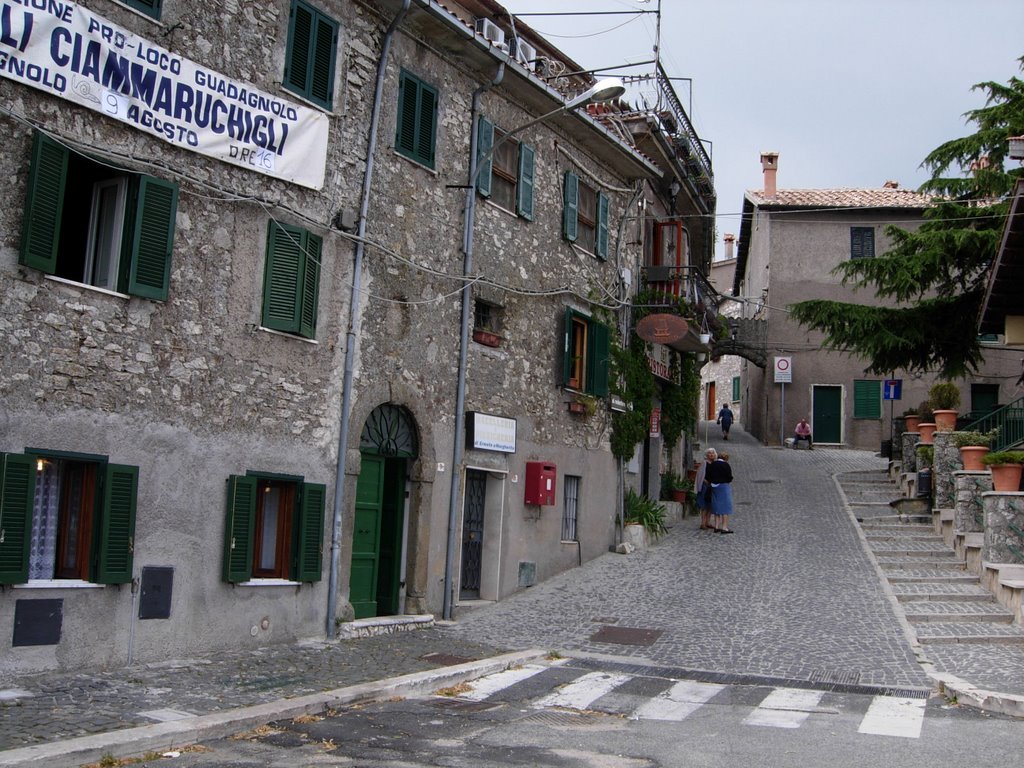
x,y
389,565
827,420
366,537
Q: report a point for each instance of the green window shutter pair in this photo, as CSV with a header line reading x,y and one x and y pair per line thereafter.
x,y
148,7
570,215
114,546
417,119
862,242
239,531
867,399
291,283
525,172
598,353
312,50
150,221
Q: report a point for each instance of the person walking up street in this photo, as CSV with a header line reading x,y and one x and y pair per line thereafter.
x,y
701,488
719,477
725,419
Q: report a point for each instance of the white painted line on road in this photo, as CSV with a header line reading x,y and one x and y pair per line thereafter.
x,y
678,702
583,691
894,716
499,681
785,708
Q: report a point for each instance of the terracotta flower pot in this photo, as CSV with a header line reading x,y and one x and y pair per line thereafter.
x,y
971,457
927,431
679,495
910,423
1006,477
945,421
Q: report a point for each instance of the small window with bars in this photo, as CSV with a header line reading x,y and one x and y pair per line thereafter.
x,y
862,242
570,511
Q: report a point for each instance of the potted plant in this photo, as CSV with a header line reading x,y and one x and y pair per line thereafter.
x,y
1005,467
584,405
972,445
675,487
944,399
927,424
646,513
911,419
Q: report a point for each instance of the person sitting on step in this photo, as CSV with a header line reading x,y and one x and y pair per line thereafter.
x,y
802,432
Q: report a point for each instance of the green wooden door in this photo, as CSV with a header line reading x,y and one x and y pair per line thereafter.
x,y
827,421
389,570
366,537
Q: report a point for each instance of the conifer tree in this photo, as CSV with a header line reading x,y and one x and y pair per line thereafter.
x,y
934,277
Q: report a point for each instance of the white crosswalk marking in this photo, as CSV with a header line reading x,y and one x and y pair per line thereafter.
x,y
894,716
499,681
678,702
785,708
582,692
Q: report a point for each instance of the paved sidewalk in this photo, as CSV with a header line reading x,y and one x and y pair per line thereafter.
x,y
794,595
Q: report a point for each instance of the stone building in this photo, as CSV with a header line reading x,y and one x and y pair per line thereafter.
x,y
790,242
269,362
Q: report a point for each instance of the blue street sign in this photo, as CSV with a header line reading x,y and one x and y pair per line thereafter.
x,y
893,389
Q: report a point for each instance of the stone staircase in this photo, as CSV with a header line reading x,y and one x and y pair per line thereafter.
x,y
941,600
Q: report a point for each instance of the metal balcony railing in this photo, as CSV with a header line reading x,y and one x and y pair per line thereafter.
x,y
1008,419
684,136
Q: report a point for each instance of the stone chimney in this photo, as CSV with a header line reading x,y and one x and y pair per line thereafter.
x,y
730,243
770,165
891,184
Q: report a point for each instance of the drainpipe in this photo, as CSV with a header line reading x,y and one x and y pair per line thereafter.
x,y
460,397
353,323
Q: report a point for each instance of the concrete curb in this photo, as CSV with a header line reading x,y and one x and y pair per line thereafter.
x,y
161,737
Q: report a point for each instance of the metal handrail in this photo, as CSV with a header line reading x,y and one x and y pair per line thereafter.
x,y
684,128
1008,419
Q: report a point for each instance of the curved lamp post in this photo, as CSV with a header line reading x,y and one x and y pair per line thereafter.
x,y
603,90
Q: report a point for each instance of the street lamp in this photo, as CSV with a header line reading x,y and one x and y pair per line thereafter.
x,y
603,90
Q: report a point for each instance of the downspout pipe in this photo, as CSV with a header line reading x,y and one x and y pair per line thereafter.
x,y
469,214
352,335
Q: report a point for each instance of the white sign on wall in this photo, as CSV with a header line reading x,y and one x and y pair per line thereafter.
x,y
783,370
490,433
72,53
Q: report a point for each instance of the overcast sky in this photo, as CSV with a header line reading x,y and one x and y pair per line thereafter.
x,y
850,93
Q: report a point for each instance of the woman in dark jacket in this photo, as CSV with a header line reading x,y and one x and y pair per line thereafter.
x,y
719,476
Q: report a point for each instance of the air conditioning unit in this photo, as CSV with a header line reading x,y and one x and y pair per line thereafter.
x,y
490,31
524,53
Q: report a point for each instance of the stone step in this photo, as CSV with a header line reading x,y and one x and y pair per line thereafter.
x,y
966,591
929,575
906,549
969,632
903,563
956,611
898,521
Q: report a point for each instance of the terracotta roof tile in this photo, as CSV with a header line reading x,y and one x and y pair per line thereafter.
x,y
840,198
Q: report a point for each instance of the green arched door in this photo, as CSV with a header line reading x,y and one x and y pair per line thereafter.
x,y
387,443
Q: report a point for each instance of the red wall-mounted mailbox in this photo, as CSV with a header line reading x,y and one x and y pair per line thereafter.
x,y
540,483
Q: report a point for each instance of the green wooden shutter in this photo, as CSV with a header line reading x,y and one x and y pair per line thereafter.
x,y
524,187
405,132
300,41
153,238
862,242
44,205
17,484
567,346
867,399
735,387
310,285
239,529
148,7
597,360
325,46
115,546
570,205
309,562
601,239
427,119
282,280
484,144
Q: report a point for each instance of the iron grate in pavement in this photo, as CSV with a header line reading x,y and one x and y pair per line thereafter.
x,y
835,676
570,719
626,635
726,678
461,705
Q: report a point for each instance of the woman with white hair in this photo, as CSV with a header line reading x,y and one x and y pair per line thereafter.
x,y
701,490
